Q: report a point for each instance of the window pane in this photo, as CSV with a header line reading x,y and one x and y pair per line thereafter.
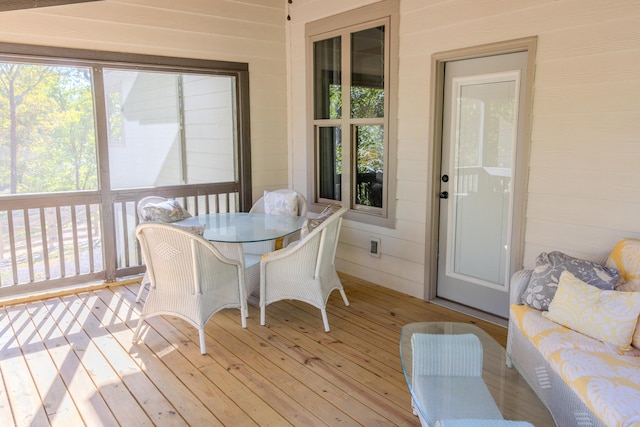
x,y
170,128
329,163
327,79
370,165
210,128
367,73
47,132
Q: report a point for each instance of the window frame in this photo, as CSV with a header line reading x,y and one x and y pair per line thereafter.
x,y
98,60
385,13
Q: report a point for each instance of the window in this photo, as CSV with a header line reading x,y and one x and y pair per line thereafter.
x,y
172,126
84,135
353,77
47,129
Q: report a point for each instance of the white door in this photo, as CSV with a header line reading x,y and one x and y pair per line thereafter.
x,y
480,140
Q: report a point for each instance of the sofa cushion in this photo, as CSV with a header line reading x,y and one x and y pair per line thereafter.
x,y
548,336
601,376
544,280
608,316
608,384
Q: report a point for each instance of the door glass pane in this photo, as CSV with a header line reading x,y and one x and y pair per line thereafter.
x,y
170,128
369,165
329,162
47,129
482,153
367,73
327,76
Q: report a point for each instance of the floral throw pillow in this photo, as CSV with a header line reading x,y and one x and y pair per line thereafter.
x,y
311,224
544,280
608,316
625,257
167,211
281,203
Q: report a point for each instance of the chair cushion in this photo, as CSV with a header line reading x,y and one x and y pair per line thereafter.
x,y
281,203
311,224
549,266
195,229
608,316
167,211
480,422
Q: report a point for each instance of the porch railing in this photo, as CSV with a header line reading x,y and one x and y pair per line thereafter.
x,y
51,241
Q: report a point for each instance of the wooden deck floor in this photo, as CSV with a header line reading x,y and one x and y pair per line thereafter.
x,y
69,361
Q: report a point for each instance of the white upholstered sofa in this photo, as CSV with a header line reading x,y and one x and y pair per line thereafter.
x,y
581,354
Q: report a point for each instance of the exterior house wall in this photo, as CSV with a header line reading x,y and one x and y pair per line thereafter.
x,y
242,31
584,180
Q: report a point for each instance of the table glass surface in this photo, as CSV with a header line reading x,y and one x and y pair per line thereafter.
x,y
243,227
515,399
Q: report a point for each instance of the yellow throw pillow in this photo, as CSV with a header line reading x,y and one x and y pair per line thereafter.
x,y
625,257
608,316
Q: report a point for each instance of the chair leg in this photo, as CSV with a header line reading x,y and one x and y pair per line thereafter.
x,y
262,315
325,320
203,349
244,313
143,284
344,297
136,334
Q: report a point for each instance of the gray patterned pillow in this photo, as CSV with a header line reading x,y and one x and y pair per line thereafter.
x,y
195,229
311,224
167,211
544,279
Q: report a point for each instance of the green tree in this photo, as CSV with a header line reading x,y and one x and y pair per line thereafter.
x,y
52,132
17,82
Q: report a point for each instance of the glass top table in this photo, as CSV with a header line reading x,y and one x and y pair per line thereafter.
x,y
243,227
510,391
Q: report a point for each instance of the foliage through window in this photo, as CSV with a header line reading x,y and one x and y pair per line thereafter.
x,y
171,128
351,110
47,129
84,138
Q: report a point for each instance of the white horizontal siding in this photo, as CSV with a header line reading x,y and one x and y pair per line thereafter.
x,y
584,180
225,30
584,185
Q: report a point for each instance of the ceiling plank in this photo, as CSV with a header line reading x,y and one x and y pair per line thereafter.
x,y
31,4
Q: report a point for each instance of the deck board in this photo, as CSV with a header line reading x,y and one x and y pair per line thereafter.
x,y
70,361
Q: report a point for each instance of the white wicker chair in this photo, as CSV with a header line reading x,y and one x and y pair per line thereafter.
x,y
258,206
189,277
253,251
139,209
141,219
305,270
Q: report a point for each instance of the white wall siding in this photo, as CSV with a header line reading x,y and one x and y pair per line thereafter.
x,y
584,179
225,30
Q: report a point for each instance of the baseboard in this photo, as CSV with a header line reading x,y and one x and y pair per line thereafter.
x,y
470,311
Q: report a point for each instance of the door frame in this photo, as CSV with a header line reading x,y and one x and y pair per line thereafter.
x,y
438,61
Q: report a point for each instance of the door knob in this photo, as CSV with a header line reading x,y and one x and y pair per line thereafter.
x,y
444,194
